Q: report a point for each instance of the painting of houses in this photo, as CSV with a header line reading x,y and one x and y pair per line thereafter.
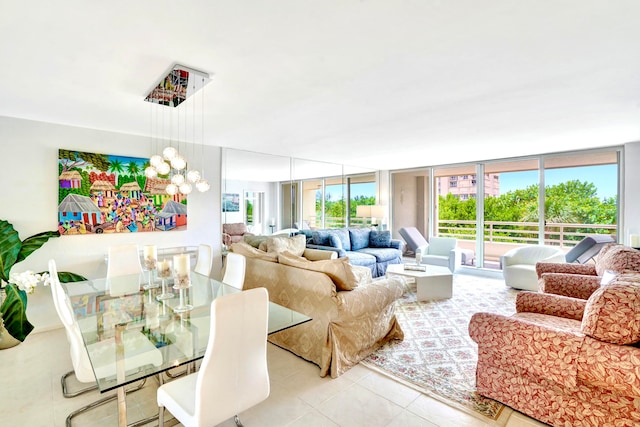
x,y
104,193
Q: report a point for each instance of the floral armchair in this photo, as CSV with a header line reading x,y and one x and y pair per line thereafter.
x,y
581,280
565,361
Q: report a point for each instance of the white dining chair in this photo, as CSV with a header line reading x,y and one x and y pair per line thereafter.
x,y
204,260
146,353
233,376
234,271
124,270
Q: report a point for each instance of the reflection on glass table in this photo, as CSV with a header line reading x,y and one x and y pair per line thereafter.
x,y
120,309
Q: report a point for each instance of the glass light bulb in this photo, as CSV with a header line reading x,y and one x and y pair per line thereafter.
x,y
203,185
155,160
169,153
185,188
150,172
193,176
171,189
178,162
177,179
163,168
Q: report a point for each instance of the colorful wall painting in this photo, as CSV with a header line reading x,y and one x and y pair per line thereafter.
x,y
106,193
231,202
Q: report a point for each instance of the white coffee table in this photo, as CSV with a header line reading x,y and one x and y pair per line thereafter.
x,y
435,283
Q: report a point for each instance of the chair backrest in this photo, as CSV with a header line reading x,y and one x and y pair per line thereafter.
x,y
123,260
123,270
588,248
233,376
441,245
77,351
235,267
235,228
413,237
204,261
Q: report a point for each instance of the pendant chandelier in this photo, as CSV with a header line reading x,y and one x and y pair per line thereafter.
x,y
171,165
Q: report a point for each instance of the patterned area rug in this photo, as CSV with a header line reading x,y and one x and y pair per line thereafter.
x,y
437,356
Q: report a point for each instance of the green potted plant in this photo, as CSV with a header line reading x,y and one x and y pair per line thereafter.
x,y
13,308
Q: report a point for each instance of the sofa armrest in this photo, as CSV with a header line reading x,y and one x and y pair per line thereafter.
x,y
455,259
536,349
554,267
372,297
396,244
341,252
571,285
553,305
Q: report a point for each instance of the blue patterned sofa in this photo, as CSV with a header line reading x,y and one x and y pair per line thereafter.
x,y
364,246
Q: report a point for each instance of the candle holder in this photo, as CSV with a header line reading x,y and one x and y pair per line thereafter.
x,y
182,282
418,258
150,265
164,272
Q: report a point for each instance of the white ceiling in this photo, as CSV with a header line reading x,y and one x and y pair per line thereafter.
x,y
381,84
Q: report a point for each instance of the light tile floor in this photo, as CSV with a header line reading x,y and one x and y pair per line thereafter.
x,y
30,395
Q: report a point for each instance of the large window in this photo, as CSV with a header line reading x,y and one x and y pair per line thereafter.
x,y
550,199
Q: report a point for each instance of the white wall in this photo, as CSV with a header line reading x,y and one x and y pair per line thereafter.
x,y
30,199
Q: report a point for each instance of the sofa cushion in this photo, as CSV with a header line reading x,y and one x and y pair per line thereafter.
x,y
359,238
335,242
343,235
618,258
612,313
361,258
278,244
379,239
382,254
339,270
247,250
254,240
321,237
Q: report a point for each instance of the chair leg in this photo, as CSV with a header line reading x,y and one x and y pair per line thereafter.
x,y
161,416
65,389
237,420
100,402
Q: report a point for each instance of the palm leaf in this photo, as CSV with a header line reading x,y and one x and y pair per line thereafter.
x,y
14,312
67,277
31,244
10,245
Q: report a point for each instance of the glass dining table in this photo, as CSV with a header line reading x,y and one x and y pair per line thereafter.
x,y
132,333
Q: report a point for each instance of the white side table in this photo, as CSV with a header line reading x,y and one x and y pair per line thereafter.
x,y
434,283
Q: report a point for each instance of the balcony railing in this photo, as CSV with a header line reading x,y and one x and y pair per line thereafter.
x,y
526,233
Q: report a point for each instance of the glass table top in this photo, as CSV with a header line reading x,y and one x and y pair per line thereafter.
x,y
150,335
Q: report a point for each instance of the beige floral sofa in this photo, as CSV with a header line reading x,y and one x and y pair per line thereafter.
x,y
581,280
565,361
347,325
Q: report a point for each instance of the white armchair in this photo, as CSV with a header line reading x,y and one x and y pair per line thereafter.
x,y
441,251
519,265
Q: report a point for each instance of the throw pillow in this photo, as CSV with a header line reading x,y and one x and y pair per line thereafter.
x,y
296,244
249,251
380,239
321,237
254,240
339,270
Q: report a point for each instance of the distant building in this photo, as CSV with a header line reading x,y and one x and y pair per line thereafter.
x,y
464,186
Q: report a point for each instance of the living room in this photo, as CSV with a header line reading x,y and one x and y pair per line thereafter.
x,y
591,109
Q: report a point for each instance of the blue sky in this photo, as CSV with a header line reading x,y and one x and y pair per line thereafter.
x,y
605,178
